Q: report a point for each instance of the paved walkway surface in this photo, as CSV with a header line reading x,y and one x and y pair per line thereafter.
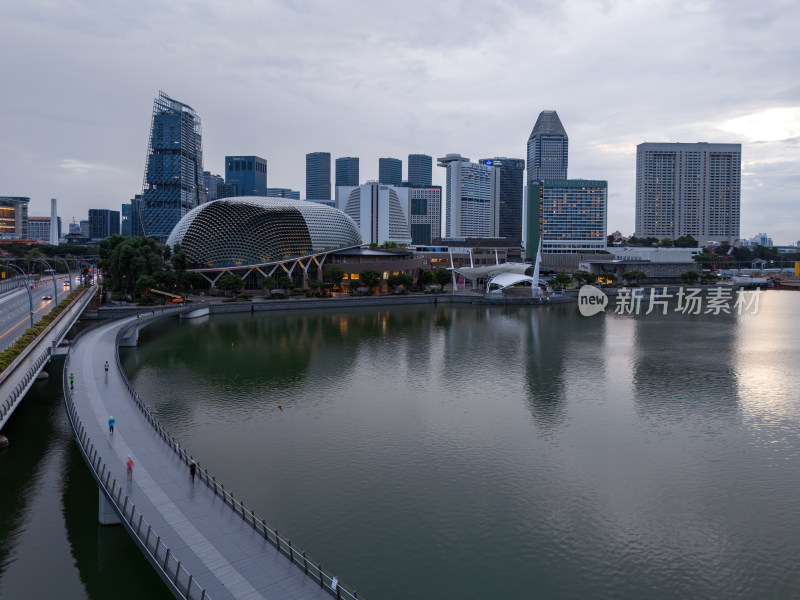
x,y
225,555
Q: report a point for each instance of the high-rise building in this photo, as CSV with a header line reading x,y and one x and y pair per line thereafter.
x,y
211,182
136,211
512,172
173,179
379,211
548,148
247,175
103,223
571,215
426,214
125,221
318,176
283,193
347,171
14,217
39,228
390,171
688,189
473,198
420,170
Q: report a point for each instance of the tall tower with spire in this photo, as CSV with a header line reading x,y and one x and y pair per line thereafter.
x,y
548,147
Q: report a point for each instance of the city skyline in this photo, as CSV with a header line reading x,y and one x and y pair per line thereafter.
x,y
278,94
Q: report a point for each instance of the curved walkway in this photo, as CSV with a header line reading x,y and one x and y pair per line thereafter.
x,y
203,542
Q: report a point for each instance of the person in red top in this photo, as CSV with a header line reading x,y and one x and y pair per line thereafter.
x,y
129,464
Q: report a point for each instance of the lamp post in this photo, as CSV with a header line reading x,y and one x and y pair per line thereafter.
x,y
69,273
27,285
53,275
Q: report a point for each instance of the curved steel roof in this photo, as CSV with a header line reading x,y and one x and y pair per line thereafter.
x,y
255,230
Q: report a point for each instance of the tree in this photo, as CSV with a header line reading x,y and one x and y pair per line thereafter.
x,y
231,282
286,283
685,241
560,281
690,277
442,276
268,283
667,243
166,253
316,286
401,279
370,278
333,275
144,283
634,276
426,277
584,277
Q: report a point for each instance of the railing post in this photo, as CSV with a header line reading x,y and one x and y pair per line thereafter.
x,y
189,586
166,559
291,551
305,564
277,540
177,572
319,568
264,523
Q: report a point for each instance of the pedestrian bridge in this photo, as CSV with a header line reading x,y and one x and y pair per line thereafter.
x,y
203,542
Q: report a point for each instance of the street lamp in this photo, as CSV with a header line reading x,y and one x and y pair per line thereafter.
x,y
27,285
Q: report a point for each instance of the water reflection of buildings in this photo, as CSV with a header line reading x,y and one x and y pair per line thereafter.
x,y
685,365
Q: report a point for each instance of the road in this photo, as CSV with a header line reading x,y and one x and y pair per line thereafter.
x,y
15,308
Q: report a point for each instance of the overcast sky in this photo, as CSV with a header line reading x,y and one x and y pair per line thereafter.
x,y
373,79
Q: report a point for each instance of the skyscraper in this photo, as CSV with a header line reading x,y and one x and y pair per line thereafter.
x,y
248,175
347,171
283,193
379,211
570,214
390,171
688,189
548,148
14,217
473,190
511,182
420,170
173,178
103,223
318,176
426,214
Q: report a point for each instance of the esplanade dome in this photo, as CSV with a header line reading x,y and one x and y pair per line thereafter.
x,y
255,230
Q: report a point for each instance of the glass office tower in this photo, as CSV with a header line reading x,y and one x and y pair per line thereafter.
x,y
173,179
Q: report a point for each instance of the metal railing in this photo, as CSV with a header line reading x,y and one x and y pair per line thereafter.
x,y
180,580
283,545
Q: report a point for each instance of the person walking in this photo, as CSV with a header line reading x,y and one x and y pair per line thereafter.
x,y
111,422
71,380
192,469
129,464
106,367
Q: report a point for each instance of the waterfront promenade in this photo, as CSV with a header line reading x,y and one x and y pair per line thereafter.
x,y
201,540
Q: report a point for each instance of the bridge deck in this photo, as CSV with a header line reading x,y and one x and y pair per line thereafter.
x,y
225,555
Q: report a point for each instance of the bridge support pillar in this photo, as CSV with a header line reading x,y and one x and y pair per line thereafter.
x,y
105,513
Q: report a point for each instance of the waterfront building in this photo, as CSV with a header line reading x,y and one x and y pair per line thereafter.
x,y
252,230
512,178
39,228
472,198
103,223
570,214
420,170
688,189
283,193
136,211
318,176
548,148
247,175
14,217
174,172
390,171
381,212
211,181
426,214
347,171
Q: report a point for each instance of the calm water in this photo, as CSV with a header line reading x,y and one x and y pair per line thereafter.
x,y
455,452
467,452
